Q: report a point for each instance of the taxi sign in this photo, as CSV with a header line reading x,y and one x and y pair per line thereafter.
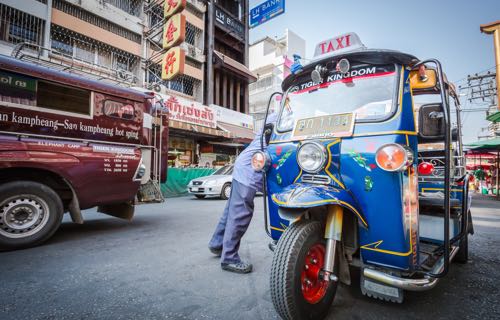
x,y
346,42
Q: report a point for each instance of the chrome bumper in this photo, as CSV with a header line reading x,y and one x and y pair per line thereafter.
x,y
423,284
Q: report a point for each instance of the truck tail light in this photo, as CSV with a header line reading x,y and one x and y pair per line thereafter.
x,y
141,170
394,157
425,168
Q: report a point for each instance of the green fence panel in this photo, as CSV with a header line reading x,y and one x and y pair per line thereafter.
x,y
178,179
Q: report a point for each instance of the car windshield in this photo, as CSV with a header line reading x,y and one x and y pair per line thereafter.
x,y
226,170
368,91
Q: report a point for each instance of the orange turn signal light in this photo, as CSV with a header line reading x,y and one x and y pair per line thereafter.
x,y
394,157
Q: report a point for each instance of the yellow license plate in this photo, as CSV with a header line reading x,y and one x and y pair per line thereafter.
x,y
335,125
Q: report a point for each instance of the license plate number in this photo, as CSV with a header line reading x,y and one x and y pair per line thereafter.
x,y
194,189
335,125
379,288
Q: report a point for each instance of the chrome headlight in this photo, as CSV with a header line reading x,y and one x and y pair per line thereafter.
x,y
260,161
311,157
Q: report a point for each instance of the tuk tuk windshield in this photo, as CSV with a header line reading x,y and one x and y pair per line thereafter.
x,y
368,91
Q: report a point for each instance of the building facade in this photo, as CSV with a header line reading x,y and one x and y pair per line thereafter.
x,y
121,41
270,60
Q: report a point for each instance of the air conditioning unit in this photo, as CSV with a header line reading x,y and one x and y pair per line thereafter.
x,y
193,52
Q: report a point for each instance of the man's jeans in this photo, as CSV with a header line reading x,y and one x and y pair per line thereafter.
x,y
234,222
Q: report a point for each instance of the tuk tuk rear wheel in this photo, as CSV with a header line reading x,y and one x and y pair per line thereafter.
x,y
463,250
297,290
463,247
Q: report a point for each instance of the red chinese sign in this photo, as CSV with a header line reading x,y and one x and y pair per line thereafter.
x,y
174,31
173,63
171,7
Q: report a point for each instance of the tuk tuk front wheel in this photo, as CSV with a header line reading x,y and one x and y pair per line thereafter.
x,y
297,289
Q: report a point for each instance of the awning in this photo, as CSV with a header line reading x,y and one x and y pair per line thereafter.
x,y
237,132
490,144
196,130
494,117
234,66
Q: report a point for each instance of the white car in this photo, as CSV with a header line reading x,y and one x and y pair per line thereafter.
x,y
216,184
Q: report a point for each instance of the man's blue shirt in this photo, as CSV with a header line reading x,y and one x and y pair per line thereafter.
x,y
243,171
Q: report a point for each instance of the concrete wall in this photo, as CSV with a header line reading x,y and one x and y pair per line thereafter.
x,y
31,7
111,13
82,27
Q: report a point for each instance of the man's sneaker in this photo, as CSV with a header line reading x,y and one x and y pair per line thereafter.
x,y
216,251
239,267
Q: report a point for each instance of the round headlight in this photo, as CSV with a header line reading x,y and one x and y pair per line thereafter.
x,y
311,157
394,157
260,161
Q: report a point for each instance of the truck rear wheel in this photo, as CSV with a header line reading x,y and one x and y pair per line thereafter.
x,y
30,213
297,289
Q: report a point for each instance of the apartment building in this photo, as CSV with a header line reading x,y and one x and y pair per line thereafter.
x,y
270,60
121,41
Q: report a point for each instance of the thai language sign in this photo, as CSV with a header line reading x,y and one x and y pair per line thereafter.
x,y
189,111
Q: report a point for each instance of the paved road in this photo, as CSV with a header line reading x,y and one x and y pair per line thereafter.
x,y
158,267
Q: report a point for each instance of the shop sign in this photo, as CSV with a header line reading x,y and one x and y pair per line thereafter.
x,y
173,63
171,7
266,11
345,42
187,111
233,117
227,22
174,31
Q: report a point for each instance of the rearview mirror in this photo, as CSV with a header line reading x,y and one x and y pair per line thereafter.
x,y
268,130
424,80
431,126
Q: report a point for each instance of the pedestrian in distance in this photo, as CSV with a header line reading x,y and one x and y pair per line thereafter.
x,y
239,208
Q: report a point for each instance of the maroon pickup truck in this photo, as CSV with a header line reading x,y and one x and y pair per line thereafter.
x,y
68,143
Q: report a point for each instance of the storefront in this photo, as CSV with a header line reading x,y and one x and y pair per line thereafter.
x,y
204,136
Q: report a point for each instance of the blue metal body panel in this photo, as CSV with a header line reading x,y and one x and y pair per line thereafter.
x,y
306,195
387,201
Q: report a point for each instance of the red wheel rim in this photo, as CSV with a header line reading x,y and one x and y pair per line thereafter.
x,y
313,287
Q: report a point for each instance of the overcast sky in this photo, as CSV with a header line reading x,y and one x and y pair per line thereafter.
x,y
444,29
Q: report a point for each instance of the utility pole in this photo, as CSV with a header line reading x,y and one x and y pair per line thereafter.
x,y
494,28
209,53
481,89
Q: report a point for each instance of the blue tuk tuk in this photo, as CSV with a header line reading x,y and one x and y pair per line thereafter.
x,y
358,174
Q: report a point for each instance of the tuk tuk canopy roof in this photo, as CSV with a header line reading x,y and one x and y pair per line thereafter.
x,y
369,56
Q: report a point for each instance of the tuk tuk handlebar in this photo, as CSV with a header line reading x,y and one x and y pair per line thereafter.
x,y
447,152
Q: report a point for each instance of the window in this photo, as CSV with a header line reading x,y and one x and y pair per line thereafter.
x,y
25,90
58,97
119,110
17,89
62,44
84,51
121,62
367,91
